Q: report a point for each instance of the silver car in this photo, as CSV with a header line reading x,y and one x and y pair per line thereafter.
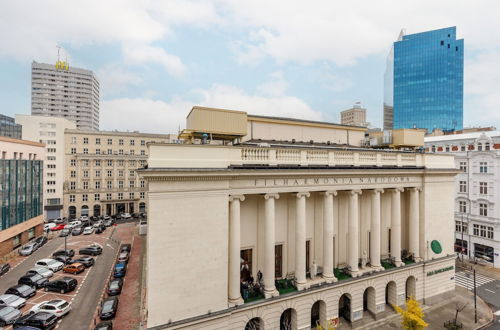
x,y
28,249
43,271
12,301
8,315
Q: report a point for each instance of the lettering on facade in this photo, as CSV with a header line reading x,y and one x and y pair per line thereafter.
x,y
329,181
441,270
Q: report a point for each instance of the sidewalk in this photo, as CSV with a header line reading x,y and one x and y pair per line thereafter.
x,y
443,309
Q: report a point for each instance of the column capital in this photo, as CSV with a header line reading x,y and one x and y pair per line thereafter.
x,y
397,190
329,192
414,189
355,191
235,197
272,195
378,191
303,194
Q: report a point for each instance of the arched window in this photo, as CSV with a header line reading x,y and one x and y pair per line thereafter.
x,y
85,210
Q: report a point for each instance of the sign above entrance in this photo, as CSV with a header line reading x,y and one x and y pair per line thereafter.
x,y
289,182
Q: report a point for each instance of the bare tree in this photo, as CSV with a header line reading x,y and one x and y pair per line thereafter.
x,y
458,308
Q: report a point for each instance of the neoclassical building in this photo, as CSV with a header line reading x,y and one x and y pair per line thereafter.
x,y
268,234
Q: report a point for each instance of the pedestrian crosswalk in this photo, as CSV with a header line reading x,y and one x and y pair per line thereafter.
x,y
466,279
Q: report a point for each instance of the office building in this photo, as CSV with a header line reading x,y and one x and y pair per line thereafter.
x,y
9,128
477,209
21,192
355,116
275,232
100,172
423,81
49,131
63,91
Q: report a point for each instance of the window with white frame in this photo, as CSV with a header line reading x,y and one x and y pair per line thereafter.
x,y
483,167
462,147
143,152
85,173
142,194
72,198
73,174
483,209
85,140
120,142
487,146
85,162
73,140
120,184
72,162
110,163
483,188
110,184
98,151
482,231
475,229
143,184
110,141
85,197
143,142
110,173
97,140
433,148
85,185
131,195
97,197
73,151
85,151
132,142
489,232
463,186
97,162
479,147
108,196
98,173
463,166
120,195
132,184
462,206
98,185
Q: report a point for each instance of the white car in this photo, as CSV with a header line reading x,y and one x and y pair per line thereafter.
x,y
107,217
12,301
51,264
42,271
88,230
48,226
126,216
98,224
58,307
83,218
74,223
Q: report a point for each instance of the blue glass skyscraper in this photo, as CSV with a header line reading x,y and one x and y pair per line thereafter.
x,y
423,82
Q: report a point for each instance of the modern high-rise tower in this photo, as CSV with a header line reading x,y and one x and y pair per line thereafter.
x,y
423,81
67,92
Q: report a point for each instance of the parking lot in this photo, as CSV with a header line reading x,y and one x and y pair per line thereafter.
x,y
91,283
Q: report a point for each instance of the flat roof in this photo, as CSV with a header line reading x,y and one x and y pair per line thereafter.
x,y
323,123
18,141
464,136
91,132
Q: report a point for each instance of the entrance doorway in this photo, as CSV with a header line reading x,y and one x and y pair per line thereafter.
x,y
254,324
318,314
142,207
97,210
288,319
72,212
369,303
109,209
391,297
131,208
345,307
411,287
120,208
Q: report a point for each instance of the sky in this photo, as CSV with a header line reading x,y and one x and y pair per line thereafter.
x,y
155,60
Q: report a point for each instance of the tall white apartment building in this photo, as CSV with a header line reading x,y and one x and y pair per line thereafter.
x,y
62,91
477,191
50,131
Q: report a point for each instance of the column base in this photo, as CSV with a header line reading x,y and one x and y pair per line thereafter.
x,y
417,259
235,302
378,268
302,286
271,293
330,278
355,273
399,263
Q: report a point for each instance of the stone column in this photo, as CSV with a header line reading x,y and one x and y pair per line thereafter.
x,y
396,226
269,241
300,240
375,230
234,250
415,223
328,236
353,229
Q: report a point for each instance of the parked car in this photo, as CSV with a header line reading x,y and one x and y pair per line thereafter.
x,y
41,240
135,215
126,216
77,231
51,264
92,250
64,259
62,285
115,287
58,220
125,248
100,230
65,232
144,215
120,270
59,307
40,320
86,261
108,223
68,252
58,227
75,223
28,249
88,230
83,218
36,281
107,325
8,315
74,268
21,290
48,226
12,300
123,257
106,217
39,270
4,268
109,307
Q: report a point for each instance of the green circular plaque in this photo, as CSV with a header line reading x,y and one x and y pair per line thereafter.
x,y
436,247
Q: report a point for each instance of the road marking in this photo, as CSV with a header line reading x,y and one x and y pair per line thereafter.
x,y
110,246
489,290
466,280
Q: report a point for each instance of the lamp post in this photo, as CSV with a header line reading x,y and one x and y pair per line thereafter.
x,y
475,298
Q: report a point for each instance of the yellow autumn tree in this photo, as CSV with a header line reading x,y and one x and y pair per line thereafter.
x,y
412,318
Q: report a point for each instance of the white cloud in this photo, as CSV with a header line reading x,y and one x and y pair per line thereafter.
x,y
148,115
114,78
148,54
276,86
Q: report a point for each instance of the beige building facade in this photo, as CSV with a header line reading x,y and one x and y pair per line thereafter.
x,y
355,116
254,237
100,175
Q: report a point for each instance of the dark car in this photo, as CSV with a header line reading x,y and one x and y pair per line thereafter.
x,y
109,307
62,285
99,230
115,287
40,320
107,325
21,290
8,315
125,248
92,250
41,240
4,268
65,232
35,280
69,253
64,260
120,270
77,231
86,261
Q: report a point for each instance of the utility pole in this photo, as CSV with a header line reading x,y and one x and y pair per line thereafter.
x,y
475,298
462,242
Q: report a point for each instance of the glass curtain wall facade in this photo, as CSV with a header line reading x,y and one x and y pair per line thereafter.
x,y
21,192
425,74
9,128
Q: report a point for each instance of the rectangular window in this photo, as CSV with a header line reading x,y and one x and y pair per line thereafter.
x,y
72,185
73,151
482,231
97,140
487,146
98,173
120,142
110,184
143,142
142,194
120,184
98,185
97,162
85,162
143,184
72,198
483,188
16,241
483,167
246,264
462,206
108,197
110,173
143,152
483,209
110,163
131,195
120,195
85,140
110,151
490,232
475,229
131,152
97,197
73,174
73,140
131,184
84,197
278,261
463,166
132,142
120,173
480,147
462,148
121,162
131,163
131,172
85,151
463,186
85,173
98,151
110,141
85,185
